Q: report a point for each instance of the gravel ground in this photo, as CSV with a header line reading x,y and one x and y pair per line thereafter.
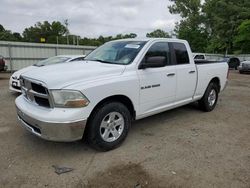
x,y
183,147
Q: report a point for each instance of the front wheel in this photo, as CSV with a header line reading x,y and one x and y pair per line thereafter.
x,y
109,126
209,99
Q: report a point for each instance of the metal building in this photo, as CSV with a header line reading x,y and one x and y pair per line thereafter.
x,y
22,54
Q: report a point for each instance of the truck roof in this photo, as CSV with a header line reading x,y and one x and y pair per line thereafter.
x,y
152,39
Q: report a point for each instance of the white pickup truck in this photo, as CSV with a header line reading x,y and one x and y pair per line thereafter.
x,y
120,81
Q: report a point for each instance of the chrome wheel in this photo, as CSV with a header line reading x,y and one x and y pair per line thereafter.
x,y
112,126
212,97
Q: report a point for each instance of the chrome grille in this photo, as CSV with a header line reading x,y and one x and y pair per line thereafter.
x,y
35,92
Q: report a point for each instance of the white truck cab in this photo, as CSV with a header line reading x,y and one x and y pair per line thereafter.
x,y
121,81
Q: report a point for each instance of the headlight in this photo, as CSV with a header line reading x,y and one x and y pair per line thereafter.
x,y
69,99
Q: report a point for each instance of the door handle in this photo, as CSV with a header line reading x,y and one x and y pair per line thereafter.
x,y
170,74
191,72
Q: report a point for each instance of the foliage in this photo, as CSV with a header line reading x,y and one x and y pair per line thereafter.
x,y
8,35
1,28
211,26
56,32
242,38
158,33
44,30
191,27
223,17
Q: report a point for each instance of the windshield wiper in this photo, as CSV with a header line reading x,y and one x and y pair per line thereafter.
x,y
99,60
38,65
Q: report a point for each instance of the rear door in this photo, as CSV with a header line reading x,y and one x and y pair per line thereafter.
x,y
185,72
157,84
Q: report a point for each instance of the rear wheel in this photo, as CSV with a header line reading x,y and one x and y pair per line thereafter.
x,y
109,126
209,99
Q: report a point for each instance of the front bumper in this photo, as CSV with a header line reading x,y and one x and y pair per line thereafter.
x,y
63,131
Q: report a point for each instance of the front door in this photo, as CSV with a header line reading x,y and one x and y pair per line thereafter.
x,y
157,84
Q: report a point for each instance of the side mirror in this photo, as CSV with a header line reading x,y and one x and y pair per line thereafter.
x,y
153,62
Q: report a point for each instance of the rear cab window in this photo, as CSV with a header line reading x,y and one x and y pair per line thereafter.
x,y
180,53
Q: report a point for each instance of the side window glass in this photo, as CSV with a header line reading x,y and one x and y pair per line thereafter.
x,y
181,53
159,50
199,57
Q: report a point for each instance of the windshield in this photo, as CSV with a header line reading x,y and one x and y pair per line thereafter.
x,y
116,52
51,61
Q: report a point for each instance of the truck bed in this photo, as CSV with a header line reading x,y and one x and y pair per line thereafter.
x,y
208,70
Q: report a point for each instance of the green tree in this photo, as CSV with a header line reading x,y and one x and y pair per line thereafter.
x,y
191,27
130,35
6,35
242,38
197,37
1,28
158,33
56,32
49,31
17,36
222,20
121,36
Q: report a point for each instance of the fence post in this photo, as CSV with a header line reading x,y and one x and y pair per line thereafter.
x,y
10,57
56,50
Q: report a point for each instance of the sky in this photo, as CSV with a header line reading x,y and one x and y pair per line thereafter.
x,y
90,18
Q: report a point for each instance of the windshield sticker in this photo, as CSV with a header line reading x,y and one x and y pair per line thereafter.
x,y
135,46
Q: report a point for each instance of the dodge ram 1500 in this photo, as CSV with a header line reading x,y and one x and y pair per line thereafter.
x,y
118,82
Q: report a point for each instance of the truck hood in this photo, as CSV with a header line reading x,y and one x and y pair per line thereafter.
x,y
21,71
62,75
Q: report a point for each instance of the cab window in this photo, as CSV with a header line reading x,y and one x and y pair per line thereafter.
x,y
159,49
181,53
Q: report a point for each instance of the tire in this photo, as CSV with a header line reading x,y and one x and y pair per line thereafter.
x,y
108,126
210,98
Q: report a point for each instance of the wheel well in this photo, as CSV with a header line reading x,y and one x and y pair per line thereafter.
x,y
216,80
118,98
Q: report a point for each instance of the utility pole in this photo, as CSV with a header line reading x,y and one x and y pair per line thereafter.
x,y
66,22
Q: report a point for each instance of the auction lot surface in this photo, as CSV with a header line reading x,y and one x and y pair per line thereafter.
x,y
179,148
